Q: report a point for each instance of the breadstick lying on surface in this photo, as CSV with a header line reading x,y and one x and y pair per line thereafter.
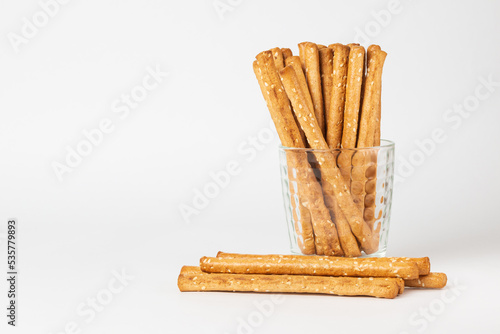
x,y
423,263
193,279
431,281
334,115
326,160
310,265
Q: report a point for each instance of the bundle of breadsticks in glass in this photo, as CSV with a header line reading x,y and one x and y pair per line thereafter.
x,y
376,277
328,98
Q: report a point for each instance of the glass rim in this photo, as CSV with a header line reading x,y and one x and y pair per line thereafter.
x,y
384,143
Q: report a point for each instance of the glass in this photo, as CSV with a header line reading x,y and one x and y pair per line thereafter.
x,y
338,202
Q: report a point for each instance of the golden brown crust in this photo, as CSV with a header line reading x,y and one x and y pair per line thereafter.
x,y
310,265
335,113
193,279
431,281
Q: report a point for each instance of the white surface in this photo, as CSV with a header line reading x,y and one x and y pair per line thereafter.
x,y
120,207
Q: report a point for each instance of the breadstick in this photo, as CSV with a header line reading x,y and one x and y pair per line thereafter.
x,y
432,281
368,116
329,171
378,95
335,113
313,76
325,234
193,279
310,265
361,160
286,52
351,109
278,58
302,55
423,264
295,63
287,130
301,215
326,68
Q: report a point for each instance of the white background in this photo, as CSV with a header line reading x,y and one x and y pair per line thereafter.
x,y
119,208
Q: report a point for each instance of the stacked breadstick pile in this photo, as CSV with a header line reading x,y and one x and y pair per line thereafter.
x,y
328,98
376,277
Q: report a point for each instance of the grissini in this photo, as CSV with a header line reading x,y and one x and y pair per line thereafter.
x,y
325,239
431,281
310,265
302,55
351,109
326,69
363,159
423,263
326,160
289,135
335,114
313,77
193,279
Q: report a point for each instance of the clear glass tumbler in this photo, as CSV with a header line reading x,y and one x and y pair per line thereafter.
x,y
338,202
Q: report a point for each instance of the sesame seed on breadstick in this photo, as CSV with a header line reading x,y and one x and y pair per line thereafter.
x,y
431,281
335,113
310,265
193,279
326,160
